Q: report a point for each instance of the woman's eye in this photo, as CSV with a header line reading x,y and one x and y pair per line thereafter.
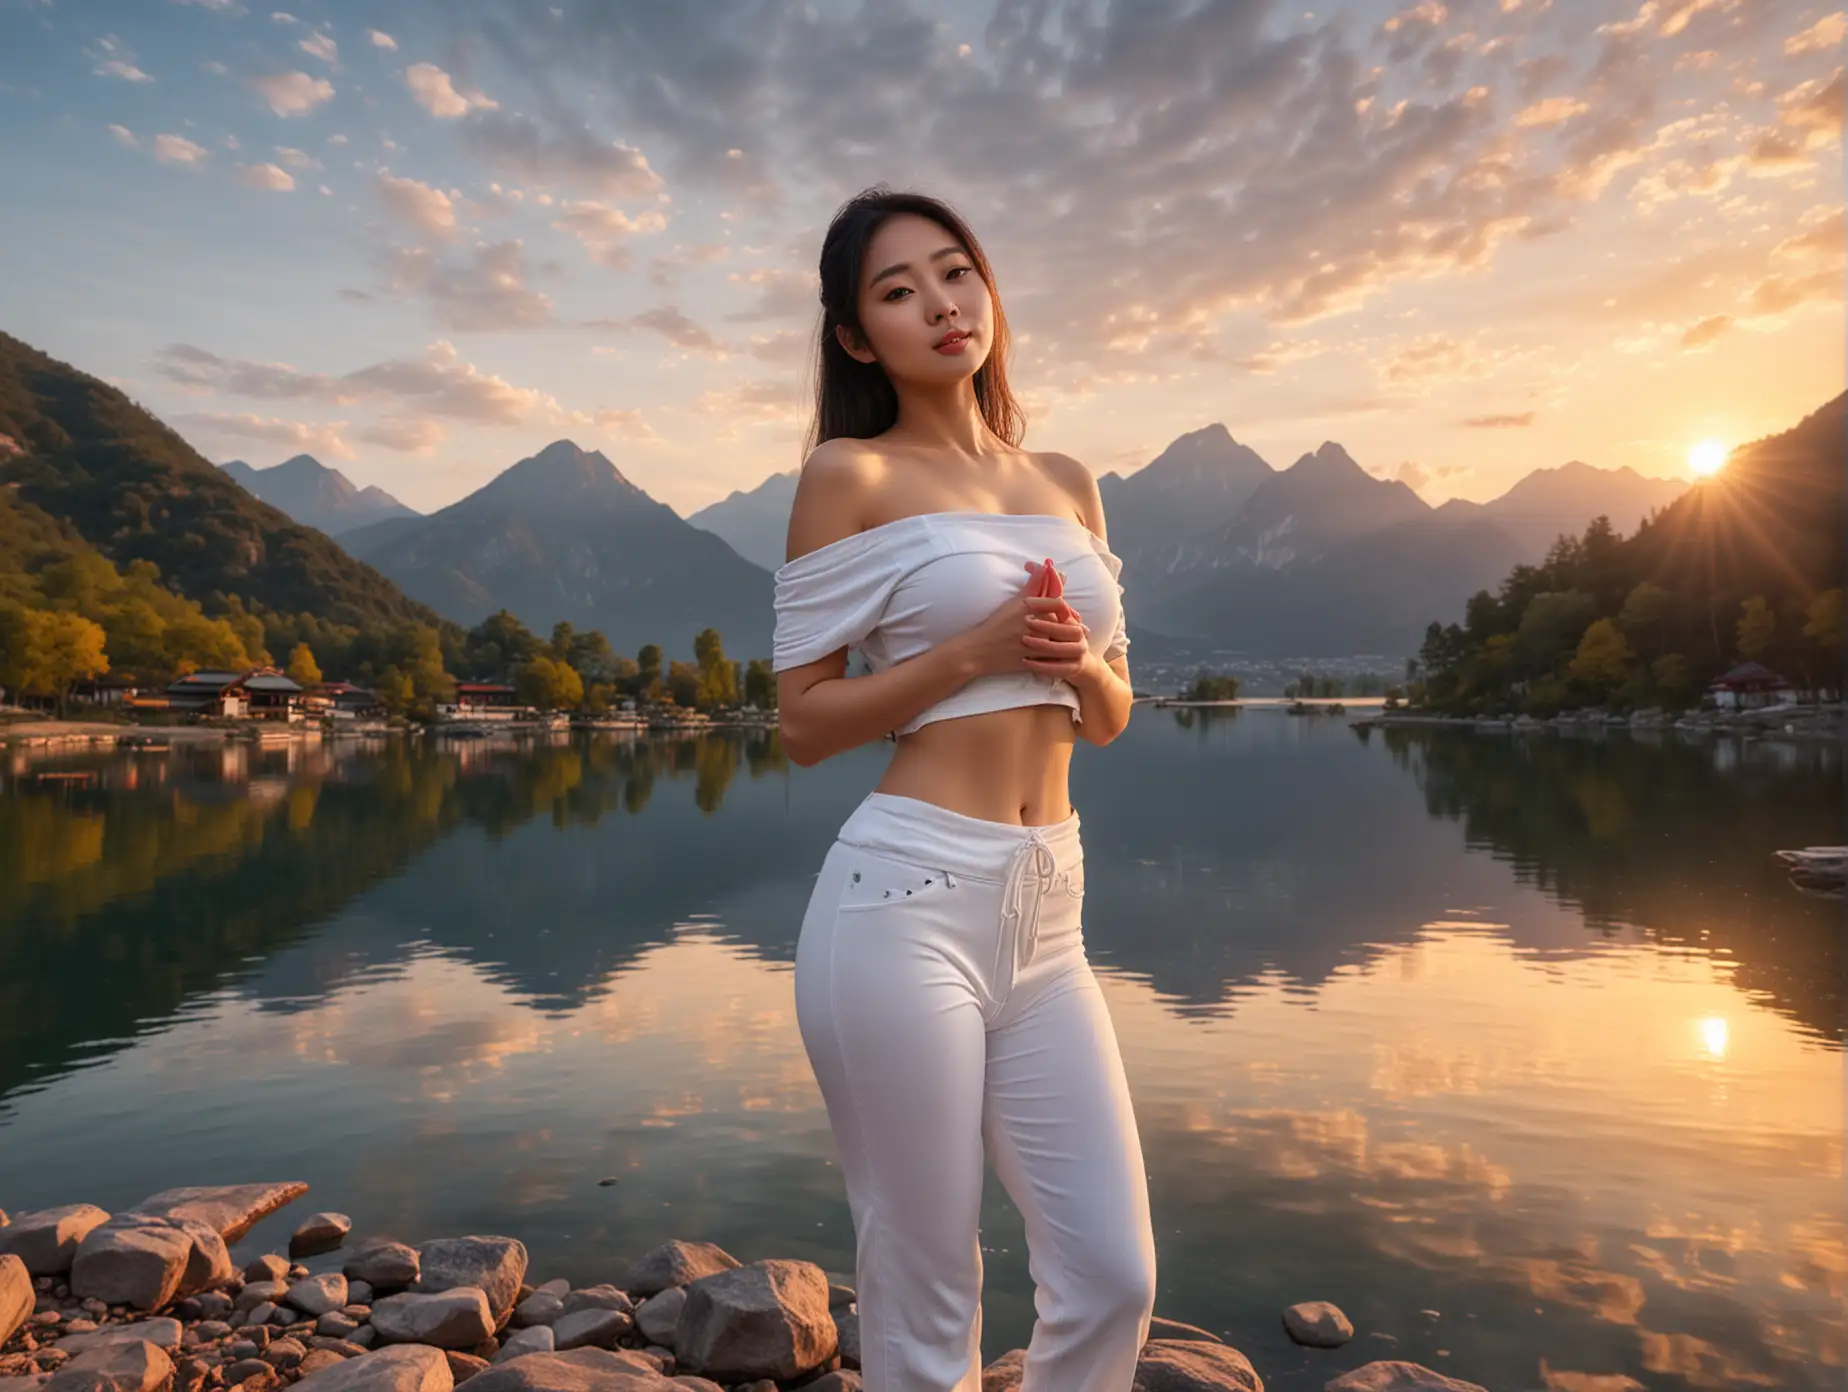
x,y
896,291
959,270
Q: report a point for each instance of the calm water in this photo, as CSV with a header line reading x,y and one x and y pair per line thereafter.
x,y
1519,1051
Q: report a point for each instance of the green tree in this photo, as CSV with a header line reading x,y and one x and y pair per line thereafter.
x,y
549,684
1823,628
648,672
562,634
683,684
1644,618
394,690
718,678
302,668
1674,679
1603,657
1208,686
1550,629
760,684
1757,629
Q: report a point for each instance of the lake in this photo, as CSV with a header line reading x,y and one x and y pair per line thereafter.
x,y
1521,1050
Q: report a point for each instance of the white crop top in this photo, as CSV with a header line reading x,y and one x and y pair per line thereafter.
x,y
901,588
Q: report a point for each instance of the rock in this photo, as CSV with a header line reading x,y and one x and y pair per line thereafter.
x,y
404,1368
316,1295
598,1298
560,1288
1317,1324
335,1324
260,1293
230,1210
250,1370
1188,1365
346,1348
47,1240
458,1318
118,1367
211,1329
316,1359
383,1264
541,1307
17,1298
268,1267
1160,1328
493,1265
145,1261
214,1304
690,1380
1393,1376
591,1328
162,1333
838,1381
580,1370
365,1336
321,1233
847,1334
463,1366
535,1339
659,1315
769,1319
359,1292
1004,1374
79,1326
284,1353
839,1295
678,1264
261,1314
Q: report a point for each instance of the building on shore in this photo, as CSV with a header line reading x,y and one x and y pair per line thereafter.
x,y
480,701
1748,686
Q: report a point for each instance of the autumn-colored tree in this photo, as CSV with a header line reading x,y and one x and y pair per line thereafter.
x,y
760,685
549,684
648,672
61,650
303,670
683,684
1674,678
1757,629
718,678
1603,656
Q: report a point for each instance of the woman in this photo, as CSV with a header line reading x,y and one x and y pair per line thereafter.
x,y
942,989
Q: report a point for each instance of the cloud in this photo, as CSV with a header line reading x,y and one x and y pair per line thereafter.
x,y
124,136
755,402
322,46
603,230
1279,354
625,425
665,268
1418,477
485,293
323,438
1701,334
1815,107
410,436
1824,236
177,149
518,147
428,210
265,176
224,6
380,39
1519,421
1825,34
439,384
296,159
679,330
437,94
780,294
128,72
1551,112
1777,295
292,93
115,59
1432,358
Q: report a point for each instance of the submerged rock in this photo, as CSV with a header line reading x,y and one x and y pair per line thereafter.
x,y
1317,1324
678,1264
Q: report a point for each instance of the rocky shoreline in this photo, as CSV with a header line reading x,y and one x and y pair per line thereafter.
x,y
149,1301
1816,722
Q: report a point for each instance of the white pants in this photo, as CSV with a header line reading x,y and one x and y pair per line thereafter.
x,y
944,999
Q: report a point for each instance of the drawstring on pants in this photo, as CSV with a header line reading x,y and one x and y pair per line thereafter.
x,y
1033,863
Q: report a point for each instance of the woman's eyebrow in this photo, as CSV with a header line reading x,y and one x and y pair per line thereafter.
x,y
904,266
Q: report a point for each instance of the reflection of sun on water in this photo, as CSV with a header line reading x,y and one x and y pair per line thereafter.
x,y
1707,458
1713,1034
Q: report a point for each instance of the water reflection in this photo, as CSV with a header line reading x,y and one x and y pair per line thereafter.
x,y
1425,1023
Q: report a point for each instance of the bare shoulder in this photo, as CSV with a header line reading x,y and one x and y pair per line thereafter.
x,y
1079,483
838,478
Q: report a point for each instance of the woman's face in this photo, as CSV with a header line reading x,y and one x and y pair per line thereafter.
x,y
924,307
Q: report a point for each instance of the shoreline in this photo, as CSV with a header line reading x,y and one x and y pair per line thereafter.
x,y
150,1301
1822,724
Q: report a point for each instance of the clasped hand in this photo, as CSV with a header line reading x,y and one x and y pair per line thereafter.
x,y
1031,633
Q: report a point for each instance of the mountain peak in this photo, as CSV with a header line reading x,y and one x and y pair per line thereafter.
x,y
564,460
1330,459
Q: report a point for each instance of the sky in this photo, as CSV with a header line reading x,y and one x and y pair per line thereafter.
x,y
421,241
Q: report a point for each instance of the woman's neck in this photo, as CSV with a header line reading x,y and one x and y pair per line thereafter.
x,y
948,420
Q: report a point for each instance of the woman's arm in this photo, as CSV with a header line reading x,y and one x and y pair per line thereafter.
x,y
1104,691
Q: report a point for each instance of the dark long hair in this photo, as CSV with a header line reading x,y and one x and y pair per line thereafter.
x,y
856,399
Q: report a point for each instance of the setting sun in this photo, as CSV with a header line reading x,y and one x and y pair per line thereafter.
x,y
1707,458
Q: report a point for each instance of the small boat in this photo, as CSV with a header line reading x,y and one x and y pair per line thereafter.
x,y
1817,860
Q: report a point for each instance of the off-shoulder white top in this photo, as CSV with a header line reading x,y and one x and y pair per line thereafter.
x,y
898,589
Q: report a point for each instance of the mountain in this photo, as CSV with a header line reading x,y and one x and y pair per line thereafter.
x,y
317,496
1549,503
1204,477
755,524
563,535
85,454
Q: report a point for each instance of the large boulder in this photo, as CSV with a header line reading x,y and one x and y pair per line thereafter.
x,y
597,1298
403,1368
47,1240
659,1315
1190,1365
1390,1375
1317,1324
1004,1374
766,1320
496,1266
17,1298
382,1264
316,1295
230,1210
580,1370
134,1366
678,1264
323,1232
162,1333
450,1319
1160,1328
132,1260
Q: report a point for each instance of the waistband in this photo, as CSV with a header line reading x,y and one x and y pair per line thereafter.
x,y
923,833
